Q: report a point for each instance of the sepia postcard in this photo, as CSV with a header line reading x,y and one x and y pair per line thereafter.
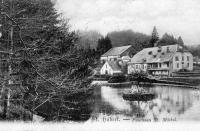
x,y
99,65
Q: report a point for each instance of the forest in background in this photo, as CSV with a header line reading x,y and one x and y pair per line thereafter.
x,y
195,50
90,40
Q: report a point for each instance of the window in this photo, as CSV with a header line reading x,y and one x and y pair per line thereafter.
x,y
188,58
136,66
188,65
176,58
167,64
177,65
106,72
182,58
142,66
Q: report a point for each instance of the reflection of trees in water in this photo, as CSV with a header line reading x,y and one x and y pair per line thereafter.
x,y
101,106
170,101
174,99
137,111
140,109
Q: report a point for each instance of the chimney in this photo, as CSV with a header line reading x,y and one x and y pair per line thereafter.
x,y
168,50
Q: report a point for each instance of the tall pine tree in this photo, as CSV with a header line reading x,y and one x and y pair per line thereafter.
x,y
180,41
167,39
154,37
104,44
50,68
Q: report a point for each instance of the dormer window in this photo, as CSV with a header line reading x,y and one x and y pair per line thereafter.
x,y
144,60
150,52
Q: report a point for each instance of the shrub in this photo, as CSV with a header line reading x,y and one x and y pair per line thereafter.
x,y
117,79
183,70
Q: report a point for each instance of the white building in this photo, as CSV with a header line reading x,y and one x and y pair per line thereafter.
x,y
163,60
111,68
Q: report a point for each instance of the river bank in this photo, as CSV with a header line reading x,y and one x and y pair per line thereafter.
x,y
146,84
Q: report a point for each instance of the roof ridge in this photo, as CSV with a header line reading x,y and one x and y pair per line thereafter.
x,y
161,46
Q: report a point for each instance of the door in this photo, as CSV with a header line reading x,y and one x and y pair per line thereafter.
x,y
106,72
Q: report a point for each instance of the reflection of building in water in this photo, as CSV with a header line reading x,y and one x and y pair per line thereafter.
x,y
175,100
170,102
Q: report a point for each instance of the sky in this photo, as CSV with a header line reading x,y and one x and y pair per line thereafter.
x,y
177,17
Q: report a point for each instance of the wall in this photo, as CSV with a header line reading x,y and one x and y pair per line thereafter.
x,y
109,58
183,61
106,67
177,62
113,58
103,58
186,61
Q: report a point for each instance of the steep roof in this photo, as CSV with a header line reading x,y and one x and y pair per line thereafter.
x,y
116,51
114,65
155,54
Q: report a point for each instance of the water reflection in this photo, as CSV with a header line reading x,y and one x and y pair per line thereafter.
x,y
171,102
116,101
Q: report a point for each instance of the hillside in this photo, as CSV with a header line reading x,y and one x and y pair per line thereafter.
x,y
129,37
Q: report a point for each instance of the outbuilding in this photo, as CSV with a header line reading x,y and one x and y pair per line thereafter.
x,y
110,68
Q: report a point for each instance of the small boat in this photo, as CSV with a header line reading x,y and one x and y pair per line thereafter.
x,y
139,96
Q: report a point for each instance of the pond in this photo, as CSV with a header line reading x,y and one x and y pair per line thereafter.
x,y
171,104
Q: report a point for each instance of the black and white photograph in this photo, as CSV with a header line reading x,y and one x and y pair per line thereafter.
x,y
94,63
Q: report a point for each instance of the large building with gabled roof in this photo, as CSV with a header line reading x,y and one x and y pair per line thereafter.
x,y
161,60
118,53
